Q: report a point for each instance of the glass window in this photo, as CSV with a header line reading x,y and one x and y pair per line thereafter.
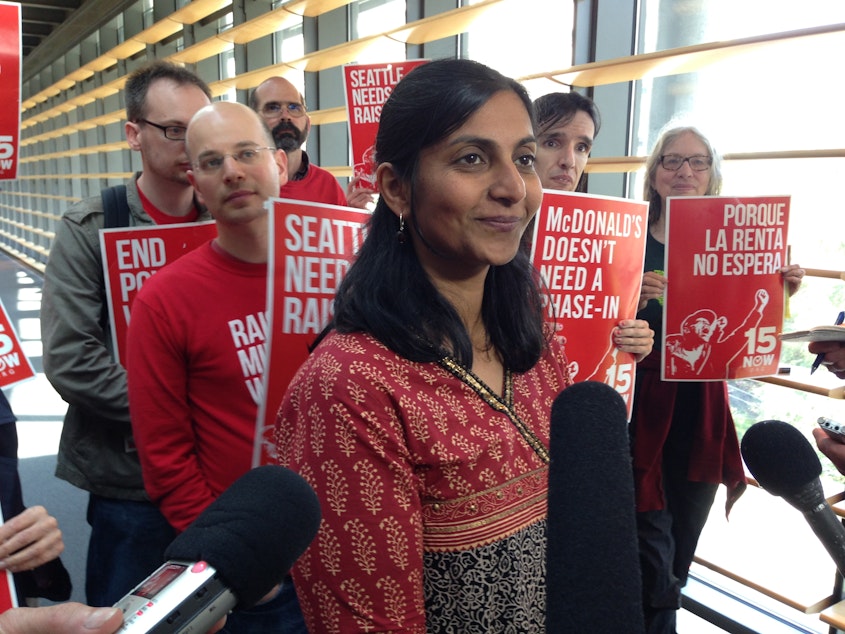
x,y
377,16
743,103
773,99
227,70
496,39
289,44
149,18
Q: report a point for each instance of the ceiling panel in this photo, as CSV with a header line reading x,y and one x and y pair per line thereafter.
x,y
48,26
40,18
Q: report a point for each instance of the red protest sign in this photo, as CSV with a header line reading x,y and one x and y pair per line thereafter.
x,y
10,87
8,599
589,251
311,247
130,256
367,88
14,364
724,296
8,596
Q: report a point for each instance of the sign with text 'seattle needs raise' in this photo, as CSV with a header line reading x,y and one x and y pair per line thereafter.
x,y
367,88
10,88
311,248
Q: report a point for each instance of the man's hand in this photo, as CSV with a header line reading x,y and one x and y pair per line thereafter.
x,y
29,539
357,196
634,336
65,618
834,355
654,284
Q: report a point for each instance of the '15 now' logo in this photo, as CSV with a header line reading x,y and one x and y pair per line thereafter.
x,y
8,358
7,150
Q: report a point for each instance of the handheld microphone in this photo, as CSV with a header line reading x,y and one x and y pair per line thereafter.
x,y
784,463
232,555
593,579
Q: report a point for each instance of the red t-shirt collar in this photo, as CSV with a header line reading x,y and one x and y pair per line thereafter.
x,y
162,218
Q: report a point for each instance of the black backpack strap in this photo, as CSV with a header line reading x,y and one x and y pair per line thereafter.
x,y
115,207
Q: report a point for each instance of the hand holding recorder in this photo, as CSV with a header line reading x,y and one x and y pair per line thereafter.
x,y
234,553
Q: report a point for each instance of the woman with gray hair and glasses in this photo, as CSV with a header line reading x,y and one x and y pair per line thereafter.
x,y
683,439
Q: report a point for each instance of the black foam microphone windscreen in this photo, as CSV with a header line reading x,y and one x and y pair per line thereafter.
x,y
784,463
592,562
779,457
254,532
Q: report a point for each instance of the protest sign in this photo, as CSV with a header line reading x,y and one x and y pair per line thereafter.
x,y
367,88
724,298
131,256
311,247
589,251
14,364
8,599
8,595
10,87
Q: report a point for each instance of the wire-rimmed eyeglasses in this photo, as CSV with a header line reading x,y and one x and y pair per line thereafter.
x,y
210,163
172,132
697,162
276,108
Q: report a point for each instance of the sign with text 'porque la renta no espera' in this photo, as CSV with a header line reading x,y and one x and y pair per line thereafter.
x,y
311,247
10,88
589,251
724,298
131,256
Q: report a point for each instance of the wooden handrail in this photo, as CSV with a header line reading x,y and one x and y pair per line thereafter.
x,y
835,275
675,61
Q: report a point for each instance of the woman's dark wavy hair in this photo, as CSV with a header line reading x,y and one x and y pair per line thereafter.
x,y
386,292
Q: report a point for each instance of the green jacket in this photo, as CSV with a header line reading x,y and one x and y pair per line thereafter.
x,y
96,451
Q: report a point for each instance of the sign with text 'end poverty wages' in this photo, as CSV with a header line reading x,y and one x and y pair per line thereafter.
x,y
10,88
367,88
131,256
589,251
724,298
311,247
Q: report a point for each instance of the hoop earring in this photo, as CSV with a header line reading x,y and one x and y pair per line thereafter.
x,y
400,235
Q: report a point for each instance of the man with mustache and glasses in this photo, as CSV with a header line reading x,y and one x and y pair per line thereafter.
x,y
282,107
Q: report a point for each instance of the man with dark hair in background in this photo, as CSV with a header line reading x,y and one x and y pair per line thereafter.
x,y
567,123
96,451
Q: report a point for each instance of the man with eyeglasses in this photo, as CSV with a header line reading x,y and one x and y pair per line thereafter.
x,y
97,451
195,383
282,107
566,126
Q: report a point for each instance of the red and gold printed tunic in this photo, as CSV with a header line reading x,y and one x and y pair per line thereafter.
x,y
432,488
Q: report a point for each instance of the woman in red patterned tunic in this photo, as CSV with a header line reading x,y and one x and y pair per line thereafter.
x,y
422,417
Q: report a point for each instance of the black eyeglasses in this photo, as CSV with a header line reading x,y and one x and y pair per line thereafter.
x,y
276,108
172,132
211,163
697,163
